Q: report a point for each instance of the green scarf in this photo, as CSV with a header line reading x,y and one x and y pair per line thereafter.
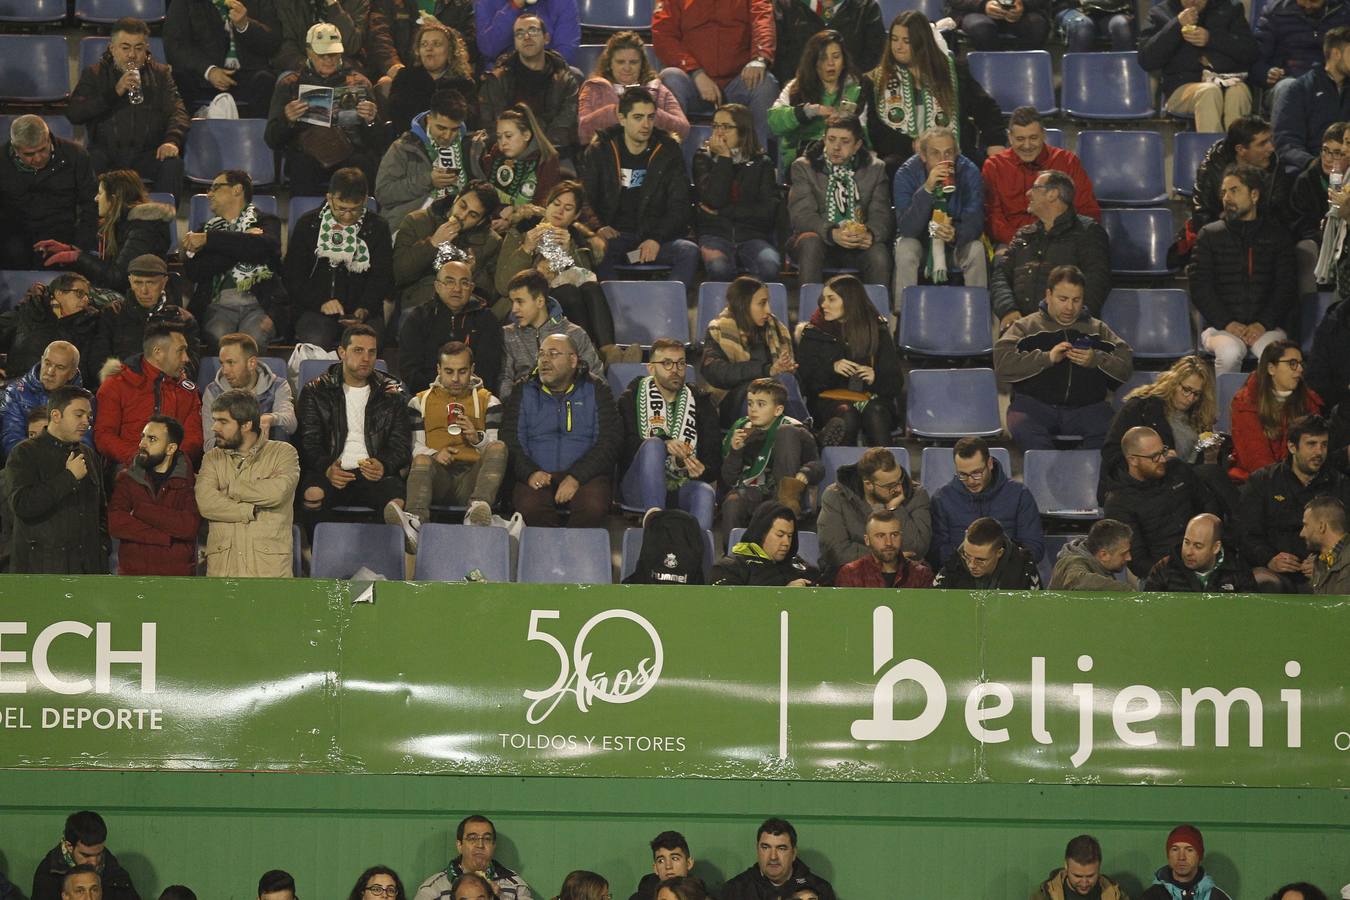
x,y
914,110
19,163
935,267
516,180
340,244
451,157
244,275
753,472
656,420
232,54
841,193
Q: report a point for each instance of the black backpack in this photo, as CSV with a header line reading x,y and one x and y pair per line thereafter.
x,y
672,550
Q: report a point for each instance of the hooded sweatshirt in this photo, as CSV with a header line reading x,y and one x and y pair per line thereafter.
x,y
431,418
1077,569
274,396
520,346
748,564
404,180
1165,887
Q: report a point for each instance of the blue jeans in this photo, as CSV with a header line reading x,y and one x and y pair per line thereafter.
x,y
723,260
1081,30
1034,425
680,254
644,486
759,100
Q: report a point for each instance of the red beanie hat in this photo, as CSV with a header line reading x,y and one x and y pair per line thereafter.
x,y
1186,834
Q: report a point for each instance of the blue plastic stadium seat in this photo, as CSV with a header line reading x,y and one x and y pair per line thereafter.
x,y
1229,383
1055,137
14,283
199,208
1105,86
1053,544
1315,306
217,144
808,299
33,68
942,320
1138,379
451,552
340,548
106,12
1126,167
632,549
698,136
565,556
712,299
616,15
32,12
1155,322
892,8
647,310
1016,78
808,544
1188,150
1064,482
1139,240
953,403
92,47
834,457
939,465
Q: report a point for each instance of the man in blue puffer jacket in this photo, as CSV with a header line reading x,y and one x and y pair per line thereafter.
x,y
60,364
563,432
981,488
1289,35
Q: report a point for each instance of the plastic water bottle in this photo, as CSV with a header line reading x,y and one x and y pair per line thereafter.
x,y
1337,176
135,96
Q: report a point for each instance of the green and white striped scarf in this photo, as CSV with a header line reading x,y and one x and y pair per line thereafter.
x,y
341,244
232,54
244,275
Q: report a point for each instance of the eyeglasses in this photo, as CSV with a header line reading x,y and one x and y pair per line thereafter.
x,y
1190,392
670,365
1151,457
217,186
528,31
1292,362
462,282
972,476
974,560
82,293
724,126
480,840
1328,153
552,354
885,485
386,890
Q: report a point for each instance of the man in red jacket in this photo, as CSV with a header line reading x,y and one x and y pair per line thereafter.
x,y
148,385
153,511
718,51
885,566
1009,174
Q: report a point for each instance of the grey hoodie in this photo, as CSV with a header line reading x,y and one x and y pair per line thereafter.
x,y
274,396
520,347
1076,569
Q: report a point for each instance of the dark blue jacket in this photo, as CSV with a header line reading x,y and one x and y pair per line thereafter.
x,y
955,507
576,432
1231,47
914,206
22,397
1305,110
1290,39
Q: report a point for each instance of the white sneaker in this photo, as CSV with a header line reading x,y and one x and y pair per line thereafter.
x,y
411,524
479,513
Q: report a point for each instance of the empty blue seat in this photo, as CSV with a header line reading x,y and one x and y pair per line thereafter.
x,y
565,556
808,544
808,299
1229,383
647,310
209,368
712,299
14,283
616,15
92,47
1139,240
834,457
340,548
943,320
1016,78
199,208
1105,86
632,549
1126,167
106,12
1155,322
1315,306
1064,482
953,403
33,68
217,144
1055,137
939,465
32,12
698,136
1188,150
451,552
1138,379
1053,544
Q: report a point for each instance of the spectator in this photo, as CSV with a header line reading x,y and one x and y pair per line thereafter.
x,y
339,264
355,431
459,315
672,444
1274,396
839,206
1083,23
518,160
776,865
440,63
718,51
496,21
124,132
377,881
1312,218
1201,564
349,20
37,423
47,193
149,384
456,457
1081,876
1179,405
60,365
276,885
223,48
1202,50
155,298
1328,371
465,222
178,892
1324,531
1010,173
1156,495
671,859
688,888
153,510
538,77
56,496
991,25
564,436
242,370
939,215
537,317
875,482
988,559
766,455
316,143
246,492
61,311
554,236
235,261
859,25
919,85
736,189
1089,564
1249,142
583,885
744,342
1059,237
428,162
475,842
1300,891
765,556
637,185
980,488
83,843
884,566
1312,103
826,84
848,367
1041,353
1289,40
624,64
82,882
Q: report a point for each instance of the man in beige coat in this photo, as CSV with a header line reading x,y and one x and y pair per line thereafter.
x,y
246,489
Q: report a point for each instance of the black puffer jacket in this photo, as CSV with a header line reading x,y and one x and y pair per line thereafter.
x,y
1207,206
1019,277
57,202
195,38
114,123
1016,571
982,122
736,201
427,327
1271,512
820,345
1231,47
1306,205
36,326
1156,511
1245,272
859,23
1233,574
311,281
1149,412
663,210
323,421
52,870
1328,370
752,885
747,565
144,228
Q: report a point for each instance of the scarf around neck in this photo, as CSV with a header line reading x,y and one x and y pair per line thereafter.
x,y
244,275
910,109
451,157
753,470
841,193
516,180
656,420
341,244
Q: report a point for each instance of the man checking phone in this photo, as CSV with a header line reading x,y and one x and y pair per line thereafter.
x,y
427,162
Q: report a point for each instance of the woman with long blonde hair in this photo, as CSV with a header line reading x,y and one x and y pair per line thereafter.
x,y
521,163
1181,404
624,63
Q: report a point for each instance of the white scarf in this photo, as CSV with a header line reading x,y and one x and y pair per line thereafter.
x,y
341,244
244,275
655,420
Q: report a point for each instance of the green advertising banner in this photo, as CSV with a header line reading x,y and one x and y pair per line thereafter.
x,y
509,679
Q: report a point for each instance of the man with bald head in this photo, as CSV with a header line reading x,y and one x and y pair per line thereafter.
x,y
47,192
60,364
1201,563
1156,497
563,434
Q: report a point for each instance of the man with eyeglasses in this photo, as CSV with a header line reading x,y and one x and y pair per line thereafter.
x,y
60,311
1313,102
464,220
1156,497
475,842
497,20
537,74
875,482
458,315
981,488
1317,209
535,317
47,192
988,559
1201,563
672,443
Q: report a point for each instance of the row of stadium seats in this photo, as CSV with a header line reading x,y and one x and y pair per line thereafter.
x,y
86,12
